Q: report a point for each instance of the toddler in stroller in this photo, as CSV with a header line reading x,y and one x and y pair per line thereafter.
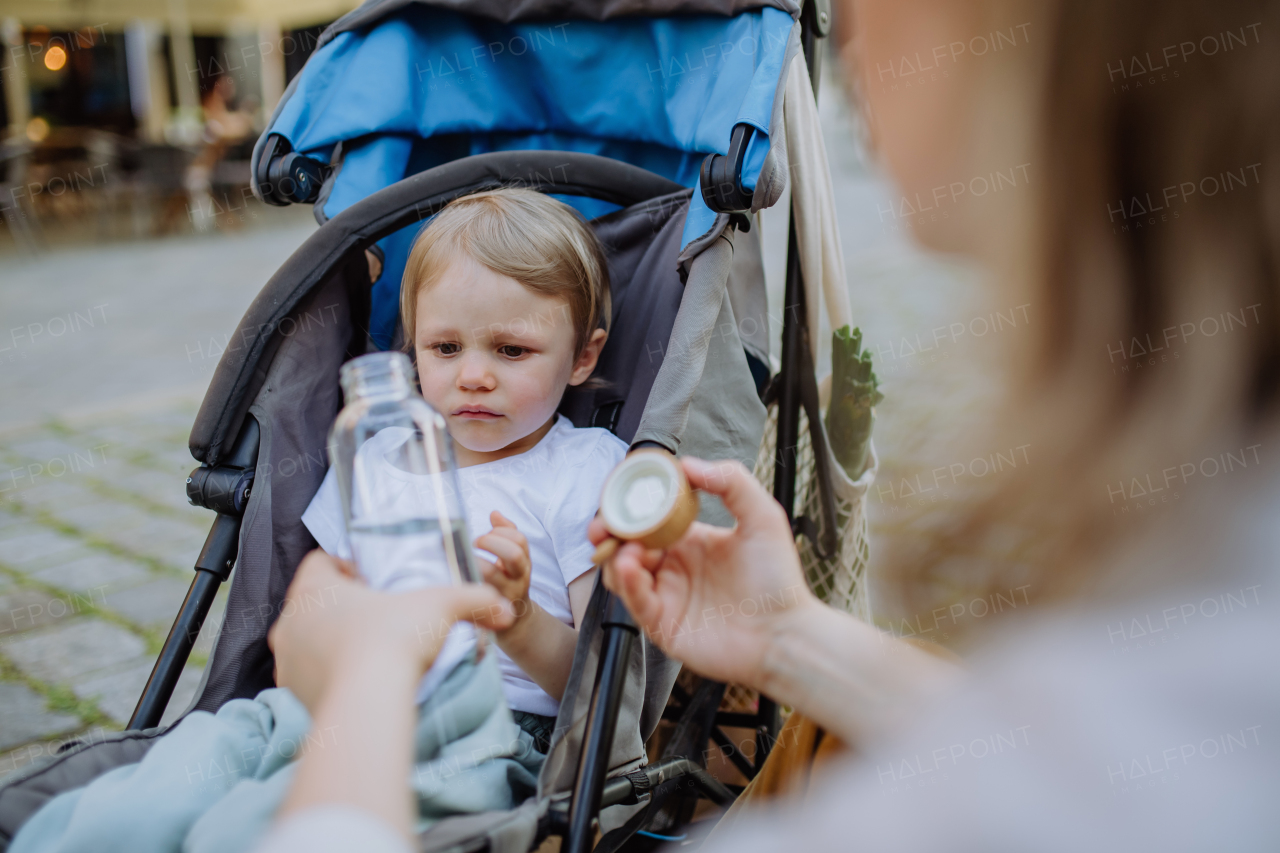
x,y
504,304
495,356
666,127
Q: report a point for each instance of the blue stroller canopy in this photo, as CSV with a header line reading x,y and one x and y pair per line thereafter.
x,y
423,85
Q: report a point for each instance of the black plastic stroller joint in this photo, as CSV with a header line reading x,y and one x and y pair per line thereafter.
x,y
283,177
721,175
225,489
222,489
627,790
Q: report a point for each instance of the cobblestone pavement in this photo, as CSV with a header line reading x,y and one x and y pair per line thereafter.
x,y
96,539
96,544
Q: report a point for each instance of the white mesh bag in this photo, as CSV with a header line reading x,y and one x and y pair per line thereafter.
x,y
839,579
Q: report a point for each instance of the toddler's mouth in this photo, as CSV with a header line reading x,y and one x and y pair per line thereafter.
x,y
478,413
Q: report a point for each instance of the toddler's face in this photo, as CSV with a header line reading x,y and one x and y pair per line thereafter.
x,y
494,357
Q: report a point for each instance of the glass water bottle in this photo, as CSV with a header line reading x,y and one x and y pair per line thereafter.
x,y
398,481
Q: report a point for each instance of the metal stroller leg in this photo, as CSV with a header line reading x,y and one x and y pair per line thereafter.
x,y
815,20
795,337
226,489
620,631
674,783
177,648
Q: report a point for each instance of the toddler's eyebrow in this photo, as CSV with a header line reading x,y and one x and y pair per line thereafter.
x,y
518,329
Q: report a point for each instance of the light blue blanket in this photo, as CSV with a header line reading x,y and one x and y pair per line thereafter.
x,y
213,784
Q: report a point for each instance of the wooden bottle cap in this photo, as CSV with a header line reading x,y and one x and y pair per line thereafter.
x,y
647,499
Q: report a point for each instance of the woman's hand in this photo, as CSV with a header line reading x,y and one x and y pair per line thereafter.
x,y
510,574
734,605
331,620
716,598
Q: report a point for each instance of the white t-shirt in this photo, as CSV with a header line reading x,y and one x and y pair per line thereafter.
x,y
550,492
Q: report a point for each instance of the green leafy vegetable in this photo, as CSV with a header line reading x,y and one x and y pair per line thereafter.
x,y
854,394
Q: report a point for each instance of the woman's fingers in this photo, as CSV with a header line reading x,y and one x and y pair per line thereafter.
x,y
651,558
596,531
307,637
435,610
317,568
476,603
319,576
630,578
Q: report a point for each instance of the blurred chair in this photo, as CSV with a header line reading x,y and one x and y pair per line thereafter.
x,y
19,215
160,181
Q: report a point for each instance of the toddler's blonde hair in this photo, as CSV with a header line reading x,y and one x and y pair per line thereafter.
x,y
522,234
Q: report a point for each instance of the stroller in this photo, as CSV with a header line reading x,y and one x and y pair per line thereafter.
x,y
663,123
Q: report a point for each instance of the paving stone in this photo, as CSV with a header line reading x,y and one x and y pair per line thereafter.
x,y
166,527
57,495
69,652
36,567
16,526
177,548
117,694
43,447
181,552
153,484
97,573
105,516
11,524
24,716
152,604
121,439
177,458
147,529
31,546
23,610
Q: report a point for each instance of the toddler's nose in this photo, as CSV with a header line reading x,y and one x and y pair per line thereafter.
x,y
474,373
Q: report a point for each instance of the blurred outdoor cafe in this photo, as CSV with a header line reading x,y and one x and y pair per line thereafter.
x,y
137,118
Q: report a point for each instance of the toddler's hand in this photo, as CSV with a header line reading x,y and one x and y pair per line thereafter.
x,y
510,574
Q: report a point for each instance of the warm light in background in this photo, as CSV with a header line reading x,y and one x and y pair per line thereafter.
x,y
54,58
37,129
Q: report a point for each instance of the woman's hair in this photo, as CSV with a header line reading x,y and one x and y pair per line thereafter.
x,y
1156,271
522,234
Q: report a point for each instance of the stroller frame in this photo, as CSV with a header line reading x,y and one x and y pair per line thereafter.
x,y
226,485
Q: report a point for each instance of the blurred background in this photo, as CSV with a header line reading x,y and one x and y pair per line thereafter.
x,y
136,119
131,246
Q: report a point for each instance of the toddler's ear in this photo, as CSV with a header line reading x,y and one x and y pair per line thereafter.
x,y
586,363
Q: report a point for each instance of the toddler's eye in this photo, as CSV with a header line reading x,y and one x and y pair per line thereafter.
x,y
447,349
512,351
